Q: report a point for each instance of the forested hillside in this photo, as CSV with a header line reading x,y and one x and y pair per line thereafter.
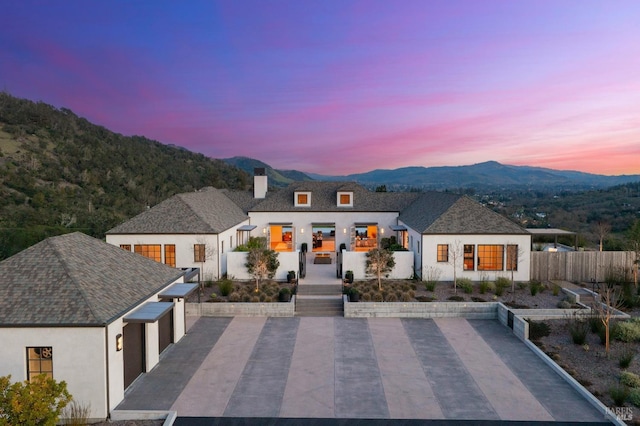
x,y
59,172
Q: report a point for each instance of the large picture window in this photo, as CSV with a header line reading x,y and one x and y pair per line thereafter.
x,y
39,361
170,254
443,252
490,257
469,254
152,251
512,257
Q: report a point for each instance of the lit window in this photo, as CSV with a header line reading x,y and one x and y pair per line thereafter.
x,y
345,199
443,252
152,251
468,257
199,252
512,257
39,361
302,199
126,247
170,254
490,257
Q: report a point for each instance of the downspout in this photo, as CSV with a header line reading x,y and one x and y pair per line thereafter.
x,y
106,342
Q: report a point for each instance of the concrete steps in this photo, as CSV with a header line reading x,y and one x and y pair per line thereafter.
x,y
319,300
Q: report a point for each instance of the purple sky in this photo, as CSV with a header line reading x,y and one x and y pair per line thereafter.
x,y
336,86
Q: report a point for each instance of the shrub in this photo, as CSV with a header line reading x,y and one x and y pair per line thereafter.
x,y
595,323
556,289
630,379
483,287
627,331
225,287
235,297
634,397
477,299
366,297
564,304
466,285
535,287
213,296
626,357
36,402
619,394
407,297
377,297
430,285
578,330
284,295
254,299
392,298
76,414
502,283
538,330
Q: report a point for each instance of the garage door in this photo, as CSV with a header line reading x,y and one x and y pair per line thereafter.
x,y
133,342
165,331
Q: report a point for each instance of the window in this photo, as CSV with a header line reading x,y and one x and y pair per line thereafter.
x,y
199,252
490,257
512,257
302,199
152,251
345,199
443,252
126,247
468,257
39,361
170,255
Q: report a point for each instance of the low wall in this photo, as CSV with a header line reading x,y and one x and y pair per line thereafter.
x,y
236,268
471,310
280,309
356,260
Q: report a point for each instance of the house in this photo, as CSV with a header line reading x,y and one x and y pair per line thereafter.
x,y
86,312
342,220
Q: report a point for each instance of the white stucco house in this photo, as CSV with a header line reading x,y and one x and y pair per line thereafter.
x,y
86,312
341,220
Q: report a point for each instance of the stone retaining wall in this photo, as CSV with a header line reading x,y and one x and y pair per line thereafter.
x,y
471,310
280,309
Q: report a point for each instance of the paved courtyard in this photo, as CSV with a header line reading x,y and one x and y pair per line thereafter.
x,y
385,368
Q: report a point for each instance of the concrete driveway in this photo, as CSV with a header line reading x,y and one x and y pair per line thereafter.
x,y
384,368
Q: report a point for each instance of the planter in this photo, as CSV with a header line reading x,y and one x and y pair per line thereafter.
x,y
348,277
291,277
354,295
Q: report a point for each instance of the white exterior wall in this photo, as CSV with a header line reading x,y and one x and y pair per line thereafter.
x,y
415,247
236,265
356,262
429,256
78,359
304,220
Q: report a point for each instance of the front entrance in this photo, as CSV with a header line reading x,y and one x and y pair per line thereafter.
x,y
324,237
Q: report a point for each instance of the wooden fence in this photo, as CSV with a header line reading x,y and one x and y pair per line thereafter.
x,y
581,266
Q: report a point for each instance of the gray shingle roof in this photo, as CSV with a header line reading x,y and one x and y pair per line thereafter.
x,y
324,198
75,279
442,213
209,211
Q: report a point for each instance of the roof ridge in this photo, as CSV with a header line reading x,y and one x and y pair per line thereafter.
x,y
494,212
78,287
195,212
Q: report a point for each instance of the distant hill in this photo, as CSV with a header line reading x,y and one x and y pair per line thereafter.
x,y
278,178
59,172
490,174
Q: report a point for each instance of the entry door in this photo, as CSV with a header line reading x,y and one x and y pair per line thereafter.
x,y
133,348
165,331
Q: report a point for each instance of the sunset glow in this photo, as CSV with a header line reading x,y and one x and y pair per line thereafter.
x,y
338,87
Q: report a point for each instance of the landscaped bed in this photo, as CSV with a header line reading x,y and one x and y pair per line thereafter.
x,y
589,364
234,291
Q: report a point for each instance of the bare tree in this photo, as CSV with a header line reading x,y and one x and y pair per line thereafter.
x,y
634,240
606,305
514,256
602,230
456,253
201,253
380,262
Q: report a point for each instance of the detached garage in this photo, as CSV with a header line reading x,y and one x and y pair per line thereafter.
x,y
89,313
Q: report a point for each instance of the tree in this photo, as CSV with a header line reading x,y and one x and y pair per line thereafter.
x,y
602,230
36,402
201,253
634,240
261,261
455,254
514,254
380,262
606,305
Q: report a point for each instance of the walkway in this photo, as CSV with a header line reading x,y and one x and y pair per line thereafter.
x,y
356,368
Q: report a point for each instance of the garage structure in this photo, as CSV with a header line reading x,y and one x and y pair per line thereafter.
x,y
89,313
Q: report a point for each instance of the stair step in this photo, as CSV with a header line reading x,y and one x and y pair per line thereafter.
x,y
320,289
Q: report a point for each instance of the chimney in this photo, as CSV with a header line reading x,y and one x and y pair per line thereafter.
x,y
259,182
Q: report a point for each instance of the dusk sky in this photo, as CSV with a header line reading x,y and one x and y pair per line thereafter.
x,y
337,86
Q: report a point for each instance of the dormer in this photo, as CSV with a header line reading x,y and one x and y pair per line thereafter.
x,y
345,199
302,199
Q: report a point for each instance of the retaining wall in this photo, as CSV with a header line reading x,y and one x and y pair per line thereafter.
x,y
280,309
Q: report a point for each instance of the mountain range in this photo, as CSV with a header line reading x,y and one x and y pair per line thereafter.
x,y
487,175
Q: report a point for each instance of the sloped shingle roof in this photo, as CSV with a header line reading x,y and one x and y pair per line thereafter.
x,y
442,213
75,279
209,211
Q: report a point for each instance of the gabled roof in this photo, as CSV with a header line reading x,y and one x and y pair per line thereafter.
x,y
209,211
75,279
324,198
442,213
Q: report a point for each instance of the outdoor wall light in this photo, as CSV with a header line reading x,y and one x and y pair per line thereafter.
x,y
264,230
382,230
119,342
344,230
302,230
